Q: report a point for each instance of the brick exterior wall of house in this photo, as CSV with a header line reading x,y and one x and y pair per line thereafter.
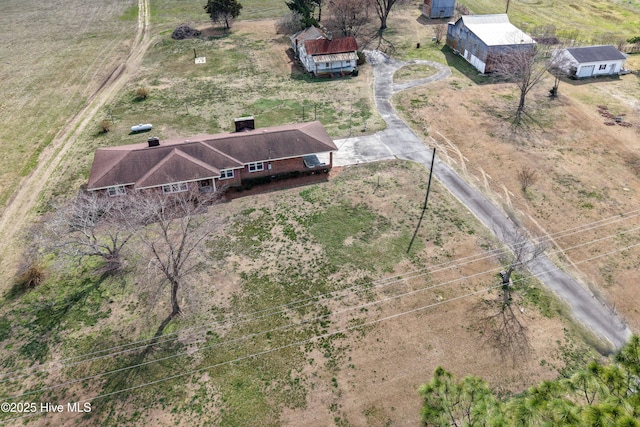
x,y
229,182
277,167
280,167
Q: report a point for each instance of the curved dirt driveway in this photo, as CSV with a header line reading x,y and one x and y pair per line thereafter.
x,y
18,213
399,141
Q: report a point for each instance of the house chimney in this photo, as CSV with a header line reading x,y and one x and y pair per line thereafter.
x,y
244,124
154,141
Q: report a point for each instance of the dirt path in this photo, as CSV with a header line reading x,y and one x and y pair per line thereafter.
x,y
18,212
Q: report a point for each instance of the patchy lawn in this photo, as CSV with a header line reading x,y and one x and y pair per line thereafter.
x,y
309,311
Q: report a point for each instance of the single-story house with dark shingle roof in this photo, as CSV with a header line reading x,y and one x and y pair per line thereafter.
x,y
590,61
211,162
483,39
324,56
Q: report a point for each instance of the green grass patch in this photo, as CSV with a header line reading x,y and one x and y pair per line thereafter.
x,y
130,14
536,296
413,72
175,12
595,19
63,303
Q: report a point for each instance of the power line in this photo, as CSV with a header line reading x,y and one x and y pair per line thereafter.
x,y
305,321
340,293
312,339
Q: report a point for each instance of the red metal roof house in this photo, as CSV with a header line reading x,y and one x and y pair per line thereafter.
x,y
325,57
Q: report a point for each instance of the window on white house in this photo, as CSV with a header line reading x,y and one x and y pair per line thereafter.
x,y
117,190
255,167
326,64
226,173
175,188
603,67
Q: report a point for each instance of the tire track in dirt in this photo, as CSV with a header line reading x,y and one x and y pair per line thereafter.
x,y
18,211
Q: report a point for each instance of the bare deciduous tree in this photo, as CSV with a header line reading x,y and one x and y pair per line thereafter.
x,y
172,228
319,3
526,67
383,8
91,225
527,177
502,326
439,31
349,16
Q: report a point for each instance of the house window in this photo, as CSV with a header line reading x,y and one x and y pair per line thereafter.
x,y
326,64
255,167
226,173
117,190
175,188
603,67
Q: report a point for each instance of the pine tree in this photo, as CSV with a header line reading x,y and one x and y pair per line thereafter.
x,y
223,11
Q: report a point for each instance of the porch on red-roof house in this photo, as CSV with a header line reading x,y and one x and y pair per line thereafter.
x,y
335,64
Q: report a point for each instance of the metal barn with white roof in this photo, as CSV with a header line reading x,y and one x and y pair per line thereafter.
x,y
480,39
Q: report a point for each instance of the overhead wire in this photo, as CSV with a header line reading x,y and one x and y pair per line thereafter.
x,y
59,364
297,324
302,342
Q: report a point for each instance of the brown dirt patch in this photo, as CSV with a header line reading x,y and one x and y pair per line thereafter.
x,y
380,373
587,171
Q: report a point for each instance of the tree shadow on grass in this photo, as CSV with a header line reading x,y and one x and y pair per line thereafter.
x,y
52,316
138,368
502,330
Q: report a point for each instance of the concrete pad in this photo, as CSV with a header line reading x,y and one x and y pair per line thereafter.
x,y
364,149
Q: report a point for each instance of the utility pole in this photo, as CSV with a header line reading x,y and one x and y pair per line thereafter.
x,y
426,198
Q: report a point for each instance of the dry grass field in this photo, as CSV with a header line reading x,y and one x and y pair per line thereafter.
x,y
586,191
309,309
54,58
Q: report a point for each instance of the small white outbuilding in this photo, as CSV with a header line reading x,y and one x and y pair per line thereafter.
x,y
590,61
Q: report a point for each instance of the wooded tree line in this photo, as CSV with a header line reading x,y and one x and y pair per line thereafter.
x,y
593,395
348,16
